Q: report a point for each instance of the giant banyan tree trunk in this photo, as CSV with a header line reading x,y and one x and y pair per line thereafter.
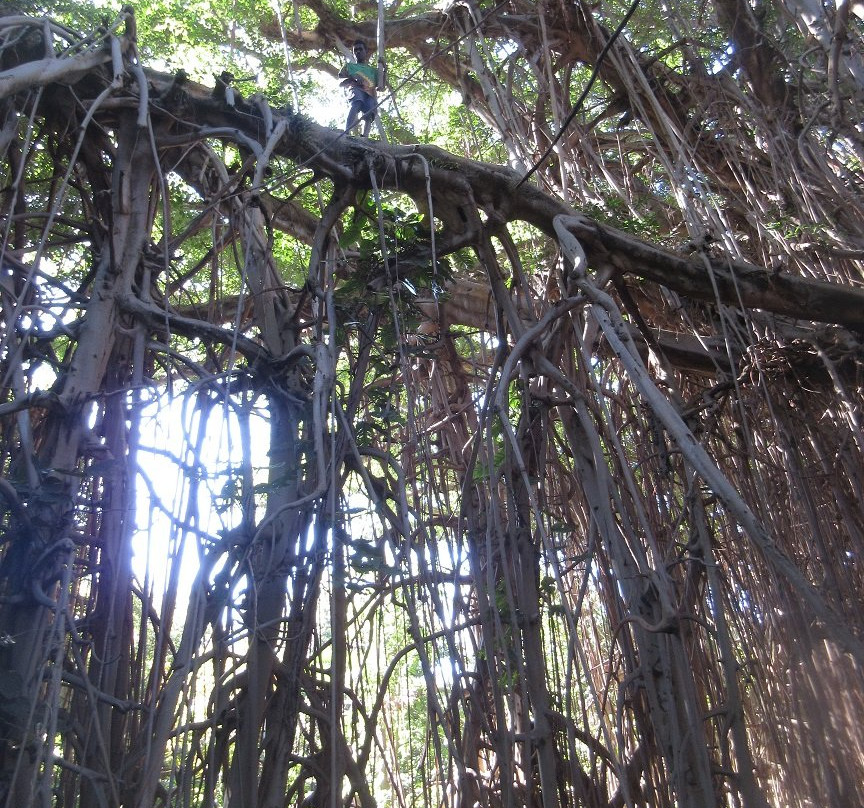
x,y
453,493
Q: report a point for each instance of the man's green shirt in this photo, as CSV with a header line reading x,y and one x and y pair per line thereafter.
x,y
366,74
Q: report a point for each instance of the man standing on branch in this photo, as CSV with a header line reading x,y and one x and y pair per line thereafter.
x,y
362,80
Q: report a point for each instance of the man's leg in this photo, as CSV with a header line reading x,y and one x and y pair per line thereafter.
x,y
370,110
353,114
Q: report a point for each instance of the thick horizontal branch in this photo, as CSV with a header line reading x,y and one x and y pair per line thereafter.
x,y
190,327
736,282
45,71
452,181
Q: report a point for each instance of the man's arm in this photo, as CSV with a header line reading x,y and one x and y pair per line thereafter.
x,y
359,80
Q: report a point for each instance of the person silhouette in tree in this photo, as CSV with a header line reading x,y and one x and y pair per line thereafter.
x,y
362,80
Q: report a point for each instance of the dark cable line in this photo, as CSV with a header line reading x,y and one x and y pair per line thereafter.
x,y
581,100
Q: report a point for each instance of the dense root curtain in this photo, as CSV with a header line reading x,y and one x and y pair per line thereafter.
x,y
450,492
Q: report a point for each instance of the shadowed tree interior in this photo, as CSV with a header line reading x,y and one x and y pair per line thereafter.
x,y
511,457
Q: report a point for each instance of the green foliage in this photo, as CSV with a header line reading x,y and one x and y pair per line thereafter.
x,y
634,216
468,135
76,15
400,227
394,266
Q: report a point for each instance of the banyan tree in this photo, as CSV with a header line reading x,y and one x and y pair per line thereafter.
x,y
512,456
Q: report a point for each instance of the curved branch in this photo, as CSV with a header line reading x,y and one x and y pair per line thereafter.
x,y
189,327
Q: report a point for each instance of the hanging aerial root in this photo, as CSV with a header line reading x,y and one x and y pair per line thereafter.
x,y
608,316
